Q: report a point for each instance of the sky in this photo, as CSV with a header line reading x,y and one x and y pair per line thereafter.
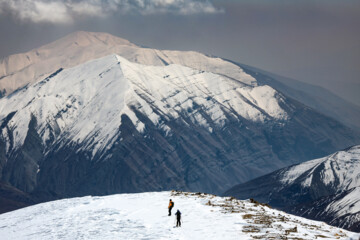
x,y
314,41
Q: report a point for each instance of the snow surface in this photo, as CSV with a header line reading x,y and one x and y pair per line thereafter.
x,y
85,103
144,216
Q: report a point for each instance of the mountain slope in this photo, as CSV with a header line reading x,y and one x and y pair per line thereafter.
x,y
12,198
110,126
144,216
324,189
341,209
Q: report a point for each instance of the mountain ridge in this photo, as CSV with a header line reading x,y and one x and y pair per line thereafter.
x,y
322,189
19,69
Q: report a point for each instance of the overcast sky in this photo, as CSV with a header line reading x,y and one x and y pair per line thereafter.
x,y
314,41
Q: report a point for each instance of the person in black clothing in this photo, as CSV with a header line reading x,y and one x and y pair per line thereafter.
x,y
171,205
178,218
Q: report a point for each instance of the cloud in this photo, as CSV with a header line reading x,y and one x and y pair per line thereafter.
x,y
36,11
66,11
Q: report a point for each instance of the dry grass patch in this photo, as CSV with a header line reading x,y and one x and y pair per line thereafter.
x,y
248,216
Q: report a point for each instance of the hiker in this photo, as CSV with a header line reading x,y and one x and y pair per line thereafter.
x,y
178,218
171,205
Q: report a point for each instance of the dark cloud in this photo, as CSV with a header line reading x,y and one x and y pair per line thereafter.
x,y
312,41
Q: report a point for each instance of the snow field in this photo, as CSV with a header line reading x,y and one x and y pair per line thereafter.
x,y
144,216
126,216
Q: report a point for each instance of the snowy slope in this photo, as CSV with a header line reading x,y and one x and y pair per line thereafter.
x,y
86,103
349,204
144,216
326,189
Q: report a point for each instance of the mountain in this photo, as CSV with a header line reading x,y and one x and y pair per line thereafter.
x,y
111,126
88,121
18,70
325,189
144,216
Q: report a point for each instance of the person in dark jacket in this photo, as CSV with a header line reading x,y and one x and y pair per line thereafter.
x,y
171,205
178,218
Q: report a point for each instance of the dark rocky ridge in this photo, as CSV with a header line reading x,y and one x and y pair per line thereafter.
x,y
12,198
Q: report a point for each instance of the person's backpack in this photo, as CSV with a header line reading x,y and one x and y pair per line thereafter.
x,y
172,204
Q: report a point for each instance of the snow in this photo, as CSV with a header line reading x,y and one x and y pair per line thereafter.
x,y
296,171
144,216
86,102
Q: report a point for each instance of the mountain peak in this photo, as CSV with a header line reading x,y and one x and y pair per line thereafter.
x,y
79,47
83,38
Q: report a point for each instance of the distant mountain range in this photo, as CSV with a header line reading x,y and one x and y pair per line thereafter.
x,y
98,115
326,189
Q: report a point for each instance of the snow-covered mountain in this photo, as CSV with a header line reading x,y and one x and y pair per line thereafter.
x,y
110,126
20,69
85,103
326,189
144,216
